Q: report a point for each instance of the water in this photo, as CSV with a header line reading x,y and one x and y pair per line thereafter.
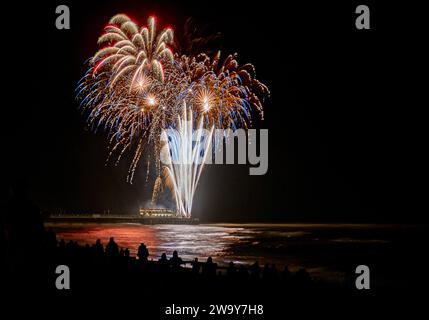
x,y
328,251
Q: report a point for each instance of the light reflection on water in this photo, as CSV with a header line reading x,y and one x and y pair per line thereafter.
x,y
189,240
304,245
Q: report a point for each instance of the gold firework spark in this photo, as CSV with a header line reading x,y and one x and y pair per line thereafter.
x,y
135,88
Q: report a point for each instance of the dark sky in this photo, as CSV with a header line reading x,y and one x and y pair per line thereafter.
x,y
345,119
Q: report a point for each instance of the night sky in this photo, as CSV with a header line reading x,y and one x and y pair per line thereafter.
x,y
345,117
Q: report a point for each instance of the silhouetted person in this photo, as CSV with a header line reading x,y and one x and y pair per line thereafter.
x,y
163,262
112,249
209,268
175,260
98,249
243,273
255,270
163,258
86,252
142,253
231,269
196,266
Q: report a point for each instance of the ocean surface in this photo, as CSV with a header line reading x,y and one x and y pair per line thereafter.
x,y
327,251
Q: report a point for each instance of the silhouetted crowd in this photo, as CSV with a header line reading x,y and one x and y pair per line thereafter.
x,y
112,255
31,254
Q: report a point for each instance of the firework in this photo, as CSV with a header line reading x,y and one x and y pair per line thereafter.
x,y
184,153
135,88
225,93
133,51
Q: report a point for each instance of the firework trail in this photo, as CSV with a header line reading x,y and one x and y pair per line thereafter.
x,y
185,152
135,88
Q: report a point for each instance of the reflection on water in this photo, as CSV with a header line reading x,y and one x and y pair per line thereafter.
x,y
325,250
189,240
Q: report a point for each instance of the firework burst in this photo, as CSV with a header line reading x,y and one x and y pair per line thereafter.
x,y
135,88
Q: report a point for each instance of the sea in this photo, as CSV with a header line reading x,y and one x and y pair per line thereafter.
x,y
329,252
